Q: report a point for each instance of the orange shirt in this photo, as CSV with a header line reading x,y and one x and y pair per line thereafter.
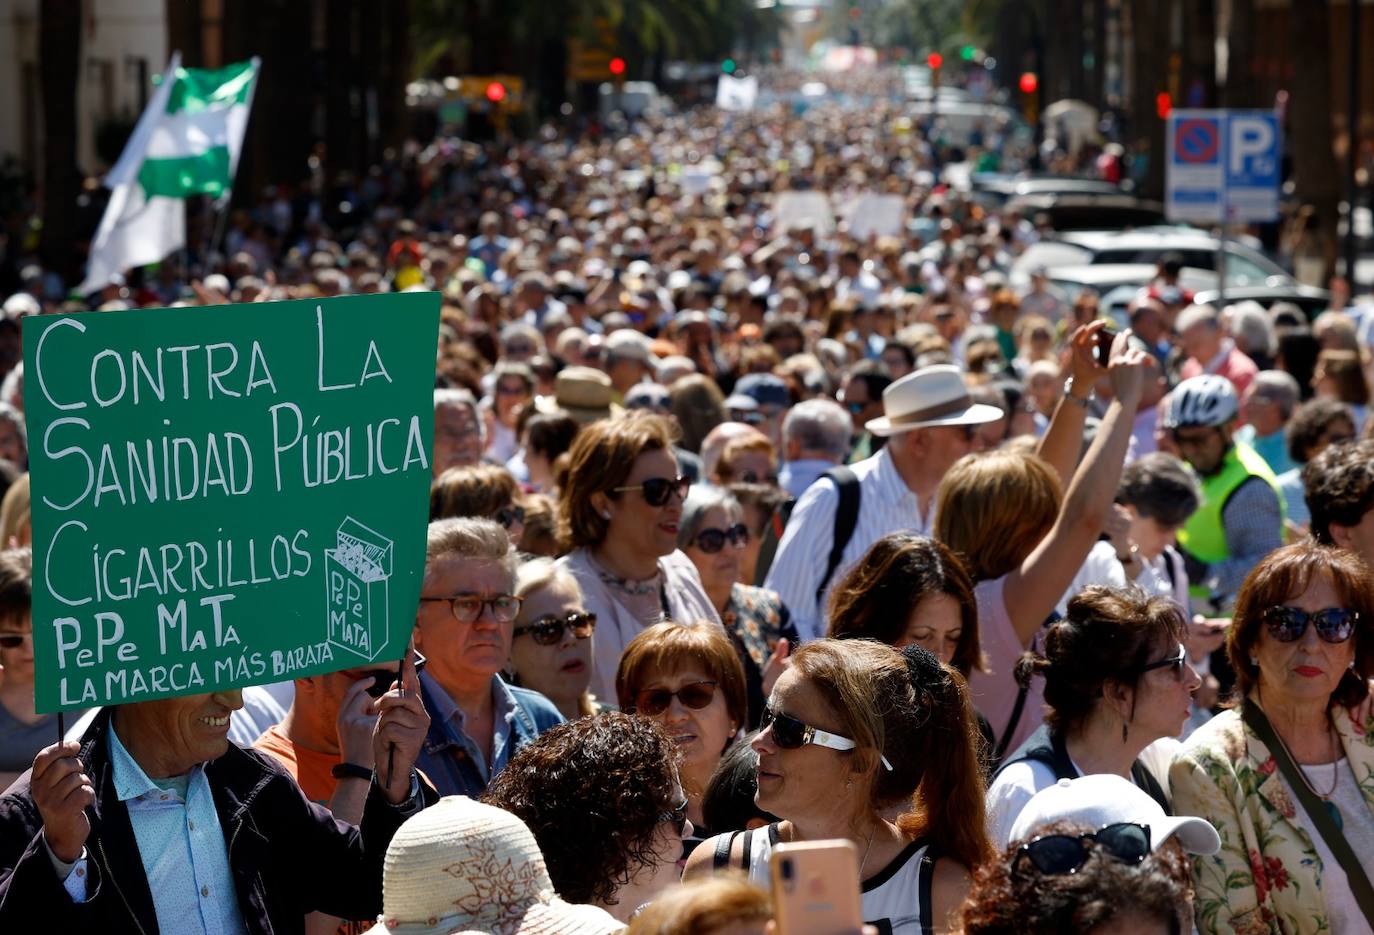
x,y
311,769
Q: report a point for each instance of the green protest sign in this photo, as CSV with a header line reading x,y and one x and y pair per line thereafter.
x,y
226,496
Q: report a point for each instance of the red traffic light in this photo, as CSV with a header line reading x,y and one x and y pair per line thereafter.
x,y
1028,82
935,60
496,92
617,66
1163,105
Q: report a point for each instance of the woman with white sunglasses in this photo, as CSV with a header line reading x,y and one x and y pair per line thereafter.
x,y
1118,686
878,747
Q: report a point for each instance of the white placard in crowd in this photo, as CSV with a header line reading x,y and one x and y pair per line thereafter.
x,y
791,209
737,93
874,214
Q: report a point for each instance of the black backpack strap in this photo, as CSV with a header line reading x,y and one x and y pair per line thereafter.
x,y
1047,748
1022,692
1146,780
721,859
846,518
925,886
748,850
768,542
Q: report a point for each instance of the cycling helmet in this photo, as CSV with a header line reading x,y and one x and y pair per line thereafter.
x,y
1207,400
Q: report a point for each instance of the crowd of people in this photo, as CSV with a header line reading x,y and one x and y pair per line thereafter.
x,y
746,531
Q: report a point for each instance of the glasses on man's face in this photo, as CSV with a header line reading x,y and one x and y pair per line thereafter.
x,y
14,640
1060,854
676,816
1176,662
548,630
1194,440
712,541
467,608
510,389
654,701
657,490
1288,624
509,516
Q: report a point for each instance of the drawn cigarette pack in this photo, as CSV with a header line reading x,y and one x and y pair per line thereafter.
x,y
356,574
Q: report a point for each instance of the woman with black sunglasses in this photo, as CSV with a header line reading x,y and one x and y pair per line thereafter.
x,y
551,651
1118,686
620,514
878,747
714,536
1286,774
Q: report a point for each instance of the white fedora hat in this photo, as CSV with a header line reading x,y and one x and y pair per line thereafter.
x,y
931,396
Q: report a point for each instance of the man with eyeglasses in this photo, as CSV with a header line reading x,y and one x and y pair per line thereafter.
x,y
1240,519
464,625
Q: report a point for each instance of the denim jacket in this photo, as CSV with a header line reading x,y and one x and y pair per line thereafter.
x,y
455,762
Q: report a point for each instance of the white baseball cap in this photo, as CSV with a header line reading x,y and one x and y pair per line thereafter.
x,y
1104,799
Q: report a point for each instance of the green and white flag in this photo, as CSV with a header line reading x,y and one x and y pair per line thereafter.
x,y
187,142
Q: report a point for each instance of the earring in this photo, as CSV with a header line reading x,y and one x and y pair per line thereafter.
x,y
1124,731
1254,660
605,514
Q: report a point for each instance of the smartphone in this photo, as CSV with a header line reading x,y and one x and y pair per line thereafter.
x,y
816,888
1105,337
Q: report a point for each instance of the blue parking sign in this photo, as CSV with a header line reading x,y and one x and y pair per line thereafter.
x,y
1223,165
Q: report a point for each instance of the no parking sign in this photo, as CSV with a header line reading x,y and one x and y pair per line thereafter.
x,y
1223,165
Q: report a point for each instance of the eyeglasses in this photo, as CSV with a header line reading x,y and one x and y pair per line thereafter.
x,y
510,389
1059,854
657,490
13,640
1193,441
509,516
855,409
753,477
791,734
1287,624
677,817
548,630
1177,661
647,401
468,607
654,701
747,416
712,541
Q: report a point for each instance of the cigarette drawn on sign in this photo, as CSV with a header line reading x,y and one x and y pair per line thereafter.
x,y
356,574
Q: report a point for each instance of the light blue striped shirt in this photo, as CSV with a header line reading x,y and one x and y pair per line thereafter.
x,y
181,843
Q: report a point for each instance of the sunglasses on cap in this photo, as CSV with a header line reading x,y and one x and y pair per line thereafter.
x,y
1060,854
509,516
1288,624
657,490
654,701
1176,662
548,630
649,401
712,541
677,816
792,734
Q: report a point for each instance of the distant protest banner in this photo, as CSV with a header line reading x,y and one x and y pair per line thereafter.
x,y
226,496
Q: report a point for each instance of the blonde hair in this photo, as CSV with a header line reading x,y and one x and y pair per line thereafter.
x,y
703,907
725,467
15,522
992,509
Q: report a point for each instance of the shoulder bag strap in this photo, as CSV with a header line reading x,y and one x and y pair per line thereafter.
x,y
925,884
768,542
1360,887
846,519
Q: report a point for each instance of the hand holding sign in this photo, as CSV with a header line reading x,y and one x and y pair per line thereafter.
x,y
62,791
357,722
401,729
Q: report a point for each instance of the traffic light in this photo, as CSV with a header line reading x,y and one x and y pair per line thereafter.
x,y
935,60
617,66
1028,83
967,52
496,92
1163,105
728,66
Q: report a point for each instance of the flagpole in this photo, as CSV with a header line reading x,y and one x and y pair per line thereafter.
x,y
228,197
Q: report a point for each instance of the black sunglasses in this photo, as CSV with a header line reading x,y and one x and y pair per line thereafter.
x,y
677,817
508,516
752,477
657,490
791,734
548,630
1287,624
712,541
1176,661
654,701
1059,854
12,640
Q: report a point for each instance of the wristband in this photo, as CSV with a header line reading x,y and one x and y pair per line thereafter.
x,y
350,771
1076,400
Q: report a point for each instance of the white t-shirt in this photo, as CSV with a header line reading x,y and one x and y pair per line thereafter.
x,y
1018,782
1357,824
1100,567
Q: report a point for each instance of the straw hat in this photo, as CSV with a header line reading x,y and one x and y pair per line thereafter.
x,y
462,867
584,393
931,396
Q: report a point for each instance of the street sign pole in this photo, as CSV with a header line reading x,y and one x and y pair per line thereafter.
x,y
1225,215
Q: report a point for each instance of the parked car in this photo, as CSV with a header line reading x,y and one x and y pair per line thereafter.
x,y
1310,299
1095,211
1245,266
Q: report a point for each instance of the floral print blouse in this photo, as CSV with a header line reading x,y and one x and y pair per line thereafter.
x,y
1267,877
756,619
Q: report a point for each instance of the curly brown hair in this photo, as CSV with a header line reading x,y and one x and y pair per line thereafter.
x,y
877,595
1339,484
592,791
1008,897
